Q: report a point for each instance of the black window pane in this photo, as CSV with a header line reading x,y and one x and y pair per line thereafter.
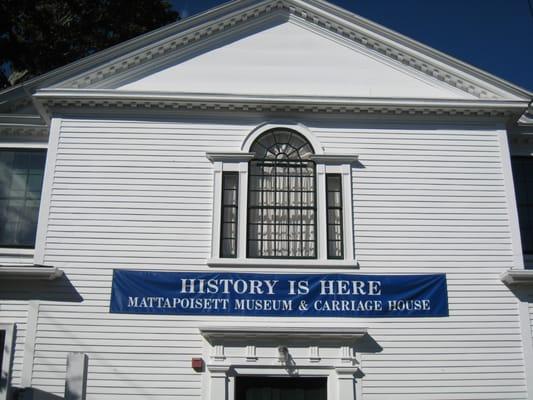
x,y
228,233
523,181
334,216
21,179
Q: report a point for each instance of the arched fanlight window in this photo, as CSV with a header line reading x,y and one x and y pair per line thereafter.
x,y
282,197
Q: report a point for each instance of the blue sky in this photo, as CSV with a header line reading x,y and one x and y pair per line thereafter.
x,y
494,35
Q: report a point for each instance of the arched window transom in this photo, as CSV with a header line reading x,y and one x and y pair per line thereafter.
x,y
282,197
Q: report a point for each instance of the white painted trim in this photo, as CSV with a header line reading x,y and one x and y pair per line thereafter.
x,y
517,277
347,208
17,252
29,272
227,157
111,95
339,371
214,333
7,359
517,271
242,229
23,145
281,263
335,158
518,260
46,192
321,217
29,343
298,127
217,208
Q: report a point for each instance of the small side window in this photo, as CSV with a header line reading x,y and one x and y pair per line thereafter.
x,y
334,216
230,208
21,179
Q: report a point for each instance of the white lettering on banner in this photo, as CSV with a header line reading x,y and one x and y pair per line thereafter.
x,y
298,287
186,303
263,305
348,305
409,305
343,287
239,286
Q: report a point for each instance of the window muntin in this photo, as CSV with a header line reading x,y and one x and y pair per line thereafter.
x,y
523,181
334,216
228,233
21,177
281,197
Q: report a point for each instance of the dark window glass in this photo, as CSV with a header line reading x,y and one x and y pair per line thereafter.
x,y
281,197
21,178
523,181
230,192
2,344
267,388
334,216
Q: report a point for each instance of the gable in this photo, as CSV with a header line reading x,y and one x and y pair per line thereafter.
x,y
290,58
252,53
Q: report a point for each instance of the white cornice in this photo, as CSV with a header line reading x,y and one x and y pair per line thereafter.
x,y
235,332
102,98
517,277
29,272
214,156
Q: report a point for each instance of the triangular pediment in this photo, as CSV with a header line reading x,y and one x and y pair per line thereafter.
x,y
287,47
280,51
291,59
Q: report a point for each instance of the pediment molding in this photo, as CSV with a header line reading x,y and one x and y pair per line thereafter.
x,y
322,15
54,99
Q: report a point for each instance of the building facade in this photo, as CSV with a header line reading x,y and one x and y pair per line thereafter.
x,y
232,153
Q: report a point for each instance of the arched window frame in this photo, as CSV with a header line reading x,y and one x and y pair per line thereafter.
x,y
326,163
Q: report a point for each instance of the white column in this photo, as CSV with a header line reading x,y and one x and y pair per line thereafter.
x,y
218,384
346,382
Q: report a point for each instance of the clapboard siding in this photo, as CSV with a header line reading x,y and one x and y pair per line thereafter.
x,y
14,312
137,194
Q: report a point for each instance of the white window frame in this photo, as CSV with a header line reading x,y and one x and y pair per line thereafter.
x,y
7,359
19,251
326,163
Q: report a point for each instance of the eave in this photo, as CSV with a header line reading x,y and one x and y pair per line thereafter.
x,y
30,271
106,98
517,277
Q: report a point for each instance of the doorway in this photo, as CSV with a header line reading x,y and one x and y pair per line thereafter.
x,y
269,388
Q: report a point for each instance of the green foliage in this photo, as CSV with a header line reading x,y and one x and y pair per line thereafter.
x,y
37,36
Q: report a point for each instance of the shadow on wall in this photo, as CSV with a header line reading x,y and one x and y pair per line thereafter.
x,y
60,289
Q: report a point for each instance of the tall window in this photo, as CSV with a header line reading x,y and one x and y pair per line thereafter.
x,y
281,197
228,237
21,178
334,216
523,181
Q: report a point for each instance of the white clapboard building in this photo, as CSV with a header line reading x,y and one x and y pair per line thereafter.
x,y
274,199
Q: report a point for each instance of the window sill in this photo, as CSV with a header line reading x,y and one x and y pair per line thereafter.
x,y
281,263
16,251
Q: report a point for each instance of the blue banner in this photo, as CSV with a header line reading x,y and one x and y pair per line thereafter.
x,y
283,295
